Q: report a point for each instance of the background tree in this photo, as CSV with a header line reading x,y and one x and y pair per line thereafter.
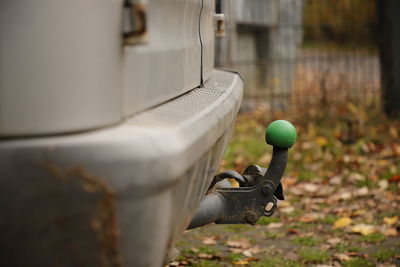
x,y
389,43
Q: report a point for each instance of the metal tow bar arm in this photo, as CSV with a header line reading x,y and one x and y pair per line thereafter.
x,y
259,188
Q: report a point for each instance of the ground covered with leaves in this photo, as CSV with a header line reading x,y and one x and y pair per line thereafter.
x,y
342,189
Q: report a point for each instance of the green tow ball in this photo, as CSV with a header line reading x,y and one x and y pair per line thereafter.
x,y
281,134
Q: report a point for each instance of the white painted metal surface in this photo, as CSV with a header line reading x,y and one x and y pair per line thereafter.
x,y
60,65
118,196
169,64
63,67
208,37
257,12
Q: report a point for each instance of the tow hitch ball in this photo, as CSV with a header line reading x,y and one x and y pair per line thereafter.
x,y
258,190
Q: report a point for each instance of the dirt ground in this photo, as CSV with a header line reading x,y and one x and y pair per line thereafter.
x,y
342,189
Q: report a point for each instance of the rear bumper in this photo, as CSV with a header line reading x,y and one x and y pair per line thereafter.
x,y
116,196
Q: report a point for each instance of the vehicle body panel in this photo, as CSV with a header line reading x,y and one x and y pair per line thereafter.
x,y
60,65
117,196
207,30
63,66
167,65
106,150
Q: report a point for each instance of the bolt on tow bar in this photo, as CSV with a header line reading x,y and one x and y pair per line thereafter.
x,y
259,188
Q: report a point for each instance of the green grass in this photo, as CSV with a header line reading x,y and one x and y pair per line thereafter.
x,y
394,188
253,241
294,199
186,251
358,262
343,247
296,213
373,238
274,235
267,220
366,182
238,228
248,143
323,205
275,262
235,257
208,250
305,226
329,219
306,241
310,255
207,263
306,175
384,254
387,213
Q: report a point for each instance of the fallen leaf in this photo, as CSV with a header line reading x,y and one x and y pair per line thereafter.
x,y
356,176
311,188
334,241
284,204
236,250
274,225
384,162
352,253
308,218
255,249
240,243
390,220
390,232
396,149
265,158
241,262
233,182
233,244
288,181
342,257
371,203
296,191
292,231
335,180
342,222
209,241
247,253
393,132
383,184
353,108
321,141
204,256
324,247
289,209
386,265
346,158
364,229
394,178
344,196
358,212
292,256
363,191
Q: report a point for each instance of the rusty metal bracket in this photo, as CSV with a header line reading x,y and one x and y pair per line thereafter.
x,y
257,196
219,25
135,22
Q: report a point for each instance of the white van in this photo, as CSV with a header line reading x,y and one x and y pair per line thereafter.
x,y
113,121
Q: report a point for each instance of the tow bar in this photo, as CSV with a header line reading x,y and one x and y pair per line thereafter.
x,y
259,188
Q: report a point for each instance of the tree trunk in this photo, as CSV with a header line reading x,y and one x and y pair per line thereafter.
x,y
389,46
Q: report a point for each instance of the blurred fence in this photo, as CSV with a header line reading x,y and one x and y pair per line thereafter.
x,y
302,51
